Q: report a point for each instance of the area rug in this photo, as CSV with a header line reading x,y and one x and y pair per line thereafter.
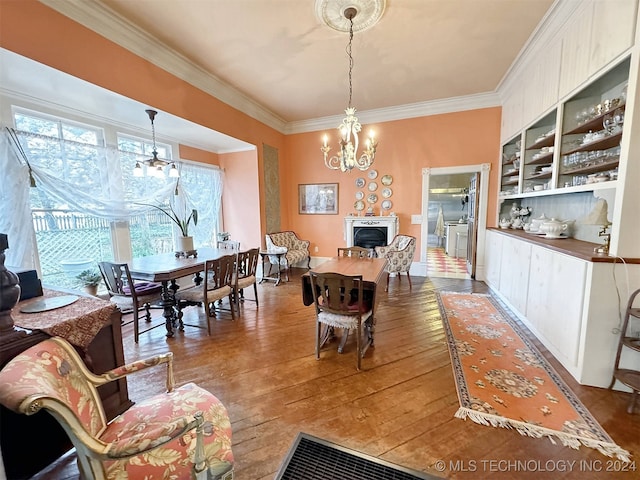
x,y
504,381
311,458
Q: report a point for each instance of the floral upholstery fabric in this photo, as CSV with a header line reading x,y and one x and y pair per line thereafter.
x,y
145,423
296,250
153,440
48,370
399,253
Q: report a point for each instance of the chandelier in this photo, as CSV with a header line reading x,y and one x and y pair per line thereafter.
x,y
348,157
155,166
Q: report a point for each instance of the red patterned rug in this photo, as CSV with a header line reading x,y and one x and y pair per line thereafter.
x,y
504,381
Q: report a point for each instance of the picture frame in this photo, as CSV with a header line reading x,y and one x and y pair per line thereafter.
x,y
318,199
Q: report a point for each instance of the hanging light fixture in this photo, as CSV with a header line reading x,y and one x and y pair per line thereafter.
x,y
348,157
155,166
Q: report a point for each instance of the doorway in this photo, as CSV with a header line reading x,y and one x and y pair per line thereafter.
x,y
452,237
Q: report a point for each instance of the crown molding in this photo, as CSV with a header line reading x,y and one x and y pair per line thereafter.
x,y
401,112
104,21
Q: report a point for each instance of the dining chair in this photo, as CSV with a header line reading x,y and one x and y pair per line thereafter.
x,y
217,284
340,303
399,254
359,252
118,281
246,276
184,432
229,245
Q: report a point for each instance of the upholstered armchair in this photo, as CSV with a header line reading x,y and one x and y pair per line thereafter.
x,y
287,242
399,254
184,433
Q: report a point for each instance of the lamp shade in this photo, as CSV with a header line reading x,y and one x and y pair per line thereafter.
x,y
598,216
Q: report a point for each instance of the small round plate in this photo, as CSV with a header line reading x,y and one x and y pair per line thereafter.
x,y
373,186
360,182
372,174
359,205
386,204
387,192
372,198
386,180
359,195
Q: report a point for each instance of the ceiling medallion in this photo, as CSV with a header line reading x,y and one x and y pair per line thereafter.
x,y
331,13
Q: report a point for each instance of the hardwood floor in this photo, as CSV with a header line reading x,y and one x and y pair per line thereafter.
x,y
399,408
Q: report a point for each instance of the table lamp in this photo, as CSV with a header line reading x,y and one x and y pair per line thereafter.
x,y
598,216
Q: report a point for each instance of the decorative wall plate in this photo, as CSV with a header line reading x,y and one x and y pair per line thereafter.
x,y
387,180
387,192
372,198
360,182
373,186
386,204
359,195
372,174
359,205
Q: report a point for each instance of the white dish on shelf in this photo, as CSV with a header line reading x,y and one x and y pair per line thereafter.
x,y
359,195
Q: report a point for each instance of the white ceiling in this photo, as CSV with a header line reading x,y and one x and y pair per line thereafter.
x,y
274,59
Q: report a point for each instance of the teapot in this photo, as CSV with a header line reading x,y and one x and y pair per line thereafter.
x,y
553,228
537,222
505,223
516,223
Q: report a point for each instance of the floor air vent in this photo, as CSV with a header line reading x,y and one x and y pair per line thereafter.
x,y
311,458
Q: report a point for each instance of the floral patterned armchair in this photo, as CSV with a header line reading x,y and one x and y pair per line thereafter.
x,y
184,433
399,254
287,242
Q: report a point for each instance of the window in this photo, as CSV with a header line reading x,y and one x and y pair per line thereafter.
x,y
87,200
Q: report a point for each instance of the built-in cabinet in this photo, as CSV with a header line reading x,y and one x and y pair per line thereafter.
x,y
568,303
584,156
577,81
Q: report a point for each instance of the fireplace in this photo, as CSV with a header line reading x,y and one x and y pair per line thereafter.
x,y
369,232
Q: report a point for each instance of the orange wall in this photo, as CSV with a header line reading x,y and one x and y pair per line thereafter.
x,y
240,199
405,147
197,155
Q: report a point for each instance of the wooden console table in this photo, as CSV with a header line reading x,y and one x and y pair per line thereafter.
x,y
93,327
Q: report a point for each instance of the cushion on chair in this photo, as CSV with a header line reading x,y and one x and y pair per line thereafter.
x,y
244,282
341,321
134,426
143,288
287,242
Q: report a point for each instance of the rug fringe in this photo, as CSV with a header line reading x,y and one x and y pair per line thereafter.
x,y
527,429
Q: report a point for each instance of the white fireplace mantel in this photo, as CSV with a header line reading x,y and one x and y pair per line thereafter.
x,y
351,222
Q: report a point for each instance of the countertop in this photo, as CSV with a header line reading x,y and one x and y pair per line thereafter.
x,y
568,246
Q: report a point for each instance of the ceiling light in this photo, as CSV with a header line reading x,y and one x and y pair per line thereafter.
x,y
348,157
155,166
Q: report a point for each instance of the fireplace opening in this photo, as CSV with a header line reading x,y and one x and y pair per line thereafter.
x,y
369,237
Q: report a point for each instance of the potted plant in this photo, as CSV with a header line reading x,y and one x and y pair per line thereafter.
x,y
90,279
185,242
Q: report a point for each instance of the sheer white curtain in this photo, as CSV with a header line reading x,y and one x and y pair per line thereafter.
x,y
98,185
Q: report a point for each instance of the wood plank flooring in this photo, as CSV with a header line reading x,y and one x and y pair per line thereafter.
x,y
399,408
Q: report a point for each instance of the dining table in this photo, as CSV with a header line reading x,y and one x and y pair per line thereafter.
x,y
373,275
166,269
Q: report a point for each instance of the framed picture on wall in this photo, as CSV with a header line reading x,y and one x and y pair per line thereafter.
x,y
318,199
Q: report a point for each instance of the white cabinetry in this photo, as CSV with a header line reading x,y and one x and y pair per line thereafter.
x,y
492,258
554,303
569,304
514,272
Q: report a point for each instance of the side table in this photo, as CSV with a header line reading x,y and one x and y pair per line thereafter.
x,y
264,257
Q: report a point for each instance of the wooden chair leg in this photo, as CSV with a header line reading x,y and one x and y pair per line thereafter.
x,y
409,279
386,289
318,328
255,292
136,327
